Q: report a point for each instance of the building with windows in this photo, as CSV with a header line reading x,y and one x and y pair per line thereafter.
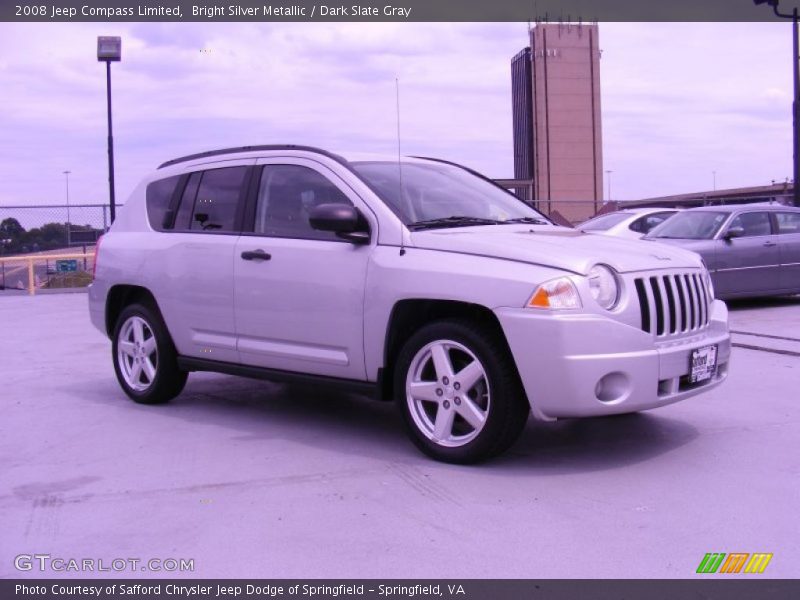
x,y
556,113
522,111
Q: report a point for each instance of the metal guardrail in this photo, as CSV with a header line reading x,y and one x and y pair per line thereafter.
x,y
30,259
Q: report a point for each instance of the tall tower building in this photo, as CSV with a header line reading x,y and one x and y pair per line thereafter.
x,y
563,126
522,112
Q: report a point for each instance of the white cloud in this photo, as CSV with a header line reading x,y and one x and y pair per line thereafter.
x,y
679,100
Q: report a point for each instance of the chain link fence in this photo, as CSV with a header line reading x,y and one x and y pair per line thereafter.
x,y
61,238
49,246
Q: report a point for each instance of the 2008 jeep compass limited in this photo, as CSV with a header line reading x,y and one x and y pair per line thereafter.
x,y
419,280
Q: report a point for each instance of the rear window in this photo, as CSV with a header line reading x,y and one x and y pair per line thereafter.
x,y
159,195
646,223
603,222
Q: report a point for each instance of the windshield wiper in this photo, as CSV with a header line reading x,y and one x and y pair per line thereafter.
x,y
532,220
452,221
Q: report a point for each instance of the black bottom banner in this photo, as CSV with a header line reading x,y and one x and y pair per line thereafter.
x,y
468,589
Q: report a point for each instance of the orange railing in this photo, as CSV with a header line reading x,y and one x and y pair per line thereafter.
x,y
29,260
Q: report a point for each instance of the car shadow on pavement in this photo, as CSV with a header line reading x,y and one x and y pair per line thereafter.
x,y
262,412
573,446
772,302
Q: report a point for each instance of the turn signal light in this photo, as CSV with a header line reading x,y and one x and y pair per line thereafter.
x,y
555,295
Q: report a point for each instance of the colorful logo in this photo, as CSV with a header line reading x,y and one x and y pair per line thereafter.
x,y
736,562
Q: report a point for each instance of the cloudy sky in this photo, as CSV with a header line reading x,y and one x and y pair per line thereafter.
x,y
679,100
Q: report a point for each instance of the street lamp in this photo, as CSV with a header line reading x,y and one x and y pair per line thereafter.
x,y
69,226
796,102
608,173
109,49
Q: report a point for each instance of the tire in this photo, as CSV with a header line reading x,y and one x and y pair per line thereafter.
x,y
146,370
445,419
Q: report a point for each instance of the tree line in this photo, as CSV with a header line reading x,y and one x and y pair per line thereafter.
x,y
15,239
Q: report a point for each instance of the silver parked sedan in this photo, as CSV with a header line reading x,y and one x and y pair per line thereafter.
x,y
750,250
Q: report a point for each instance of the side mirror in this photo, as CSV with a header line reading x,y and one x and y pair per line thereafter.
x,y
733,232
342,219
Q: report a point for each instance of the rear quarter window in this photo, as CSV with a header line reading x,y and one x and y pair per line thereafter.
x,y
159,195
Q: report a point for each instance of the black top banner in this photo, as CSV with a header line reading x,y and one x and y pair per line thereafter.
x,y
554,11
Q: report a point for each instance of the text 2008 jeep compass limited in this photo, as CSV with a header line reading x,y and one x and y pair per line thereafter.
x,y
420,281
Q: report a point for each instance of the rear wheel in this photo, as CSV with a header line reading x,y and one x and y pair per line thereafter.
x,y
145,359
459,392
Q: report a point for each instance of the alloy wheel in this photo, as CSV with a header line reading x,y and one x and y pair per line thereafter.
x,y
137,353
447,391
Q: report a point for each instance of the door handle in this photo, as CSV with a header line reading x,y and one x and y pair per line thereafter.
x,y
770,244
255,255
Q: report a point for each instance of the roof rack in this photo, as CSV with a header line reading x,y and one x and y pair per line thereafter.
x,y
211,153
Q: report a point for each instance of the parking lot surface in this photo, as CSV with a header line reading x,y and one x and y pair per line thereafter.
x,y
254,479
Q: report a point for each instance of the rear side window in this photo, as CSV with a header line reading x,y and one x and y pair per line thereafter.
x,y
648,222
210,200
183,216
788,222
159,195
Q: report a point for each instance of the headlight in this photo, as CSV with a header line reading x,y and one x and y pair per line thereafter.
x,y
555,294
603,286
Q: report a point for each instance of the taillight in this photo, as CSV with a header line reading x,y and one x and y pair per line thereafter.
x,y
96,255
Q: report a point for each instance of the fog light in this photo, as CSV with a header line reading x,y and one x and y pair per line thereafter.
x,y
613,387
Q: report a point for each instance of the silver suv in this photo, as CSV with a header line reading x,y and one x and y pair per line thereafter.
x,y
419,280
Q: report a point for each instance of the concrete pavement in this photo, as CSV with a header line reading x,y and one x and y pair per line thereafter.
x,y
255,479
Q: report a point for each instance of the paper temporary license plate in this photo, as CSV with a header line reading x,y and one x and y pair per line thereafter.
x,y
703,364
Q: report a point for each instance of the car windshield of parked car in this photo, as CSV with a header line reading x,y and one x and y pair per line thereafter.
x,y
603,222
441,195
690,225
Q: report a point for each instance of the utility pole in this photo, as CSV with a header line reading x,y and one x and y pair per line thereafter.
x,y
109,49
796,102
69,221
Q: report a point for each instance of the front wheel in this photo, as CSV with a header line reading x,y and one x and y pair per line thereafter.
x,y
145,359
459,392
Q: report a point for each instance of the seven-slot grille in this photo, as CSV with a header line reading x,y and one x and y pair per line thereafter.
x,y
673,304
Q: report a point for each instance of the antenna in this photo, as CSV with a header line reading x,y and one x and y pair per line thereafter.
x,y
399,161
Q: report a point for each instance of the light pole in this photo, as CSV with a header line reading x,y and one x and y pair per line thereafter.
x,y
608,175
796,102
109,49
69,222
714,175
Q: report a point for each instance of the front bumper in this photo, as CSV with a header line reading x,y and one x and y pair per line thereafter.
x,y
561,358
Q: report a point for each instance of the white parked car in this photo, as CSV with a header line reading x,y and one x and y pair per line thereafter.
x,y
632,223
436,288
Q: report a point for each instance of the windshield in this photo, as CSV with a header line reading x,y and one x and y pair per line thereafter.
x,y
442,195
690,225
603,222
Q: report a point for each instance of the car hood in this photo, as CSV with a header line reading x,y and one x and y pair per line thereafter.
x,y
559,247
693,245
